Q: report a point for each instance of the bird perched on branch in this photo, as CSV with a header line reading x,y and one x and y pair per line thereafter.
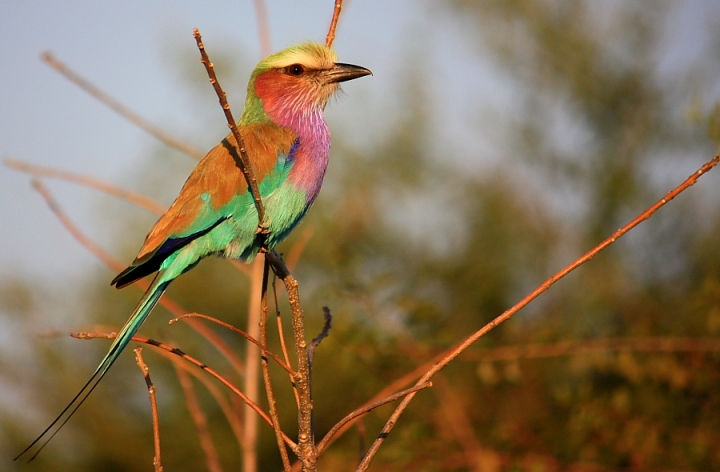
x,y
288,144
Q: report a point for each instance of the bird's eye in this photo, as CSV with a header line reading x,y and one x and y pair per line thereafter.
x,y
295,69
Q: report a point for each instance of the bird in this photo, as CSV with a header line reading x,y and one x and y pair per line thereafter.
x,y
287,141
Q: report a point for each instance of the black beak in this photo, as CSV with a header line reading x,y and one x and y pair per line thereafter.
x,y
344,72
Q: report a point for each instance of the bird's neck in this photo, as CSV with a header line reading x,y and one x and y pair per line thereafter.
x,y
310,154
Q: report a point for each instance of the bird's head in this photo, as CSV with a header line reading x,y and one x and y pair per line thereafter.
x,y
295,82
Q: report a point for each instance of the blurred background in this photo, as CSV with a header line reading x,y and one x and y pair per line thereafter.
x,y
496,142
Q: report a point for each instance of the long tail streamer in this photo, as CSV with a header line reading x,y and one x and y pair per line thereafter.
x,y
147,303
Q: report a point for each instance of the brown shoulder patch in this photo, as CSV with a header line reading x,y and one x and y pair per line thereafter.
x,y
218,174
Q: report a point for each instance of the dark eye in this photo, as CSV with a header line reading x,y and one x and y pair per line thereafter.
x,y
295,69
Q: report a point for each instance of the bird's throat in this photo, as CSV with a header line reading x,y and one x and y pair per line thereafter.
x,y
311,154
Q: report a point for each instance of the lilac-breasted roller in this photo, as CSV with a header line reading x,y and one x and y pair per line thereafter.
x,y
288,144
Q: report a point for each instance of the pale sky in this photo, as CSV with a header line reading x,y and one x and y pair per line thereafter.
x,y
124,48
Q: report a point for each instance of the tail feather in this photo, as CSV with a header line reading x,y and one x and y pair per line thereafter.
x,y
145,306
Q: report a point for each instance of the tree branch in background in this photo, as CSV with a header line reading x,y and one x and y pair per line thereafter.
x,y
263,28
272,401
457,421
192,360
199,418
333,24
453,353
121,109
252,364
540,351
242,333
157,461
365,409
281,337
205,440
589,346
87,181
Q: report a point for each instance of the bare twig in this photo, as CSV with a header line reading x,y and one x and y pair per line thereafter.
x,y
272,402
72,229
456,351
365,409
121,109
199,418
87,181
323,334
157,462
306,441
242,267
222,401
587,346
211,387
242,333
362,437
293,255
394,386
536,351
333,23
192,360
281,337
244,160
252,363
263,28
456,419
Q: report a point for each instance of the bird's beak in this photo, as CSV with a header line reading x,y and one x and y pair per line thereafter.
x,y
344,72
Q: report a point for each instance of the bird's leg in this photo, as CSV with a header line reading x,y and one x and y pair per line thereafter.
x,y
262,229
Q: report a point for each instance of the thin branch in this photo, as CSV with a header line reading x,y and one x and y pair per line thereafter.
x,y
221,400
281,337
263,28
244,160
293,255
121,109
68,224
157,461
242,333
362,437
365,409
323,334
272,401
536,351
87,181
199,418
179,364
192,360
242,267
333,23
453,353
306,441
457,421
574,348
252,362
392,387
